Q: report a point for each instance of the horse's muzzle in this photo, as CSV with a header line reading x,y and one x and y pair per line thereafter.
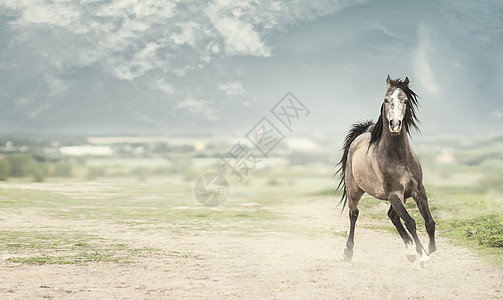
x,y
395,127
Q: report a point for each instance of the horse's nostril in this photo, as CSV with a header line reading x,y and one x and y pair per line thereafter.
x,y
394,123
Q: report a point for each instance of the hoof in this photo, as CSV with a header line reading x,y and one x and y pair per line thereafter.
x,y
411,252
425,260
424,264
432,248
411,257
348,254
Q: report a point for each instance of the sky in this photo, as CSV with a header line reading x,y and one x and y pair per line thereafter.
x,y
131,67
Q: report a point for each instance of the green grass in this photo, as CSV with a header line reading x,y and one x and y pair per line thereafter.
x,y
33,247
470,216
484,234
485,231
137,202
80,258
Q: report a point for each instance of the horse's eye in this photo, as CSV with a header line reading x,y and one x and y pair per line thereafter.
x,y
385,100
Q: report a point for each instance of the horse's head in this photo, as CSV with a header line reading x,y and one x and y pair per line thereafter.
x,y
395,105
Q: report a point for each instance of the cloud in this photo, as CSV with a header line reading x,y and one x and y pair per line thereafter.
x,y
232,88
162,46
198,107
121,36
498,114
163,86
382,28
43,12
138,9
187,34
423,70
245,25
56,85
128,38
240,37
143,61
235,88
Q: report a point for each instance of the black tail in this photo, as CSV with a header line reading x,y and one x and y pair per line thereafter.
x,y
354,132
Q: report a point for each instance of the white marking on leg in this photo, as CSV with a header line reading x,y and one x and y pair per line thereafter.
x,y
425,259
424,256
410,250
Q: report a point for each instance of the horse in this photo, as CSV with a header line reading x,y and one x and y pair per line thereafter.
x,y
378,160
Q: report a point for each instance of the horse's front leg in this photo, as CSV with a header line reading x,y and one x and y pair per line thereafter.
x,y
395,219
422,203
397,202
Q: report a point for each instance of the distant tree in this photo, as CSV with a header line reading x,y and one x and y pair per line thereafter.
x,y
62,169
38,172
20,164
492,180
23,165
180,163
140,173
95,172
4,169
160,148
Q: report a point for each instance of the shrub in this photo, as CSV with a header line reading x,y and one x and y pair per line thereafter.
x,y
273,181
20,164
4,169
180,163
95,172
140,173
492,180
62,169
38,172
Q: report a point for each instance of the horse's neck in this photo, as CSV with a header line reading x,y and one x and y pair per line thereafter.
x,y
396,146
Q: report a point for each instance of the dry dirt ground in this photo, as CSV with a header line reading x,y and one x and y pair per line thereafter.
x,y
230,264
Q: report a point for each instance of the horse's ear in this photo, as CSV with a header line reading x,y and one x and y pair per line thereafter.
x,y
406,81
388,81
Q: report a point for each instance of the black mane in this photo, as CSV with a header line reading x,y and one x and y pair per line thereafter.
x,y
409,120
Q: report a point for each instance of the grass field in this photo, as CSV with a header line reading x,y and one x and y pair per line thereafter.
x,y
465,189
468,215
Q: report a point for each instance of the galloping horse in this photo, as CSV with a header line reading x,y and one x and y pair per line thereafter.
x,y
378,160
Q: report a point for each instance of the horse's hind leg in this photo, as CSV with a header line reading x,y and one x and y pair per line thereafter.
x,y
422,203
395,219
354,195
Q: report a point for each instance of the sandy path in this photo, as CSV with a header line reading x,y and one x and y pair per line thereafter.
x,y
272,265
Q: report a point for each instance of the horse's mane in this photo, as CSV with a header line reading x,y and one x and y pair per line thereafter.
x,y
409,120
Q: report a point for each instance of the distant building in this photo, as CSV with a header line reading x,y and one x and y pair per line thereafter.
x,y
10,148
302,144
85,150
446,156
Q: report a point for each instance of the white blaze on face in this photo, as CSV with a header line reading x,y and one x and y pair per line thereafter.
x,y
396,110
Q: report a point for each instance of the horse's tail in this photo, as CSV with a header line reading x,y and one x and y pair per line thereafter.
x,y
354,132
